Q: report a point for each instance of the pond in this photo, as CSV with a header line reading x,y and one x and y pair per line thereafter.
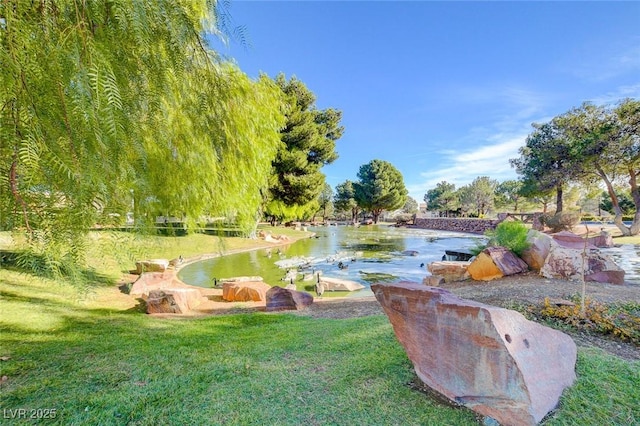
x,y
369,254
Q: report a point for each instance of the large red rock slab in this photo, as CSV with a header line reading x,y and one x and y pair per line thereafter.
x,y
602,240
490,359
245,291
283,299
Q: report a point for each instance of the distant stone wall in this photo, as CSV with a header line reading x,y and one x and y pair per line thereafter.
x,y
472,226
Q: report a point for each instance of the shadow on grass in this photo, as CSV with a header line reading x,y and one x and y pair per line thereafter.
x,y
37,265
103,366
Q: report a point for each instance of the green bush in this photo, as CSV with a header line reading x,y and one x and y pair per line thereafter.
x,y
563,221
509,234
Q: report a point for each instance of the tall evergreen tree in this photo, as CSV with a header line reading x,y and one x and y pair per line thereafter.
x,y
308,144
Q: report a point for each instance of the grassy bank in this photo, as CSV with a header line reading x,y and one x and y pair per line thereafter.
x,y
96,360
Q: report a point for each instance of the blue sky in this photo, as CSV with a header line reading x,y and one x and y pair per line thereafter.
x,y
442,90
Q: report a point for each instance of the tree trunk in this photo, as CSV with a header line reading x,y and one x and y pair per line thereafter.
x,y
558,199
634,229
615,203
376,215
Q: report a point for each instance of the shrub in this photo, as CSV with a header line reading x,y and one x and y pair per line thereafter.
x,y
563,221
509,234
619,320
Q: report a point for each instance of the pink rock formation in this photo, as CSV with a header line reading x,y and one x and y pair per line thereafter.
x,y
450,270
149,281
490,359
164,293
604,239
571,240
565,262
282,299
245,291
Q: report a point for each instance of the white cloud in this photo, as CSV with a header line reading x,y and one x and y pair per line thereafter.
x,y
462,167
621,60
487,149
628,91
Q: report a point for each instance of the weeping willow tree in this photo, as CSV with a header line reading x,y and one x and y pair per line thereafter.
x,y
107,104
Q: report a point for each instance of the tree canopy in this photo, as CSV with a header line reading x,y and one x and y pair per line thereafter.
x,y
606,140
586,144
479,195
410,206
380,187
545,161
442,198
344,199
508,194
105,103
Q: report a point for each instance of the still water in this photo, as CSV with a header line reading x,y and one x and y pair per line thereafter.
x,y
369,254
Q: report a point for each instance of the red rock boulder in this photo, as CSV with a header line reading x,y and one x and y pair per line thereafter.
x,y
173,301
496,262
245,291
282,299
490,359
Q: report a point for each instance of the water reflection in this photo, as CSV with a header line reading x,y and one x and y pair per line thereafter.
x,y
381,253
370,254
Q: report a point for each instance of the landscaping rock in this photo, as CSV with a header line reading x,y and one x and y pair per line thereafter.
x,y
245,291
338,284
149,281
433,280
450,270
538,250
604,240
496,262
152,265
490,359
571,240
173,301
282,299
565,262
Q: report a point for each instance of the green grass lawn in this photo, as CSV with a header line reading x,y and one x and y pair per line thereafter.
x,y
97,360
